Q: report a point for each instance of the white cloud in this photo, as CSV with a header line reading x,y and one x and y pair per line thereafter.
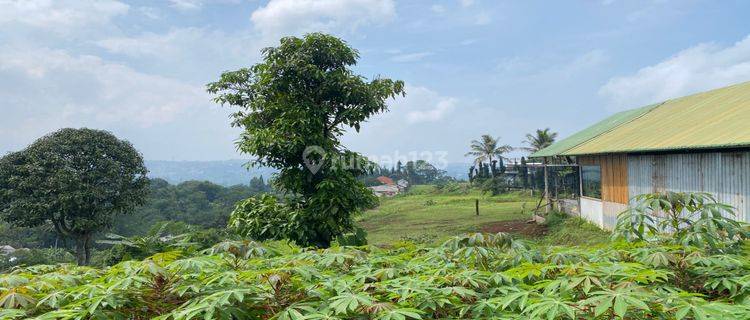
x,y
150,12
59,15
60,89
544,67
186,4
466,3
288,17
411,57
151,44
702,67
193,5
424,105
437,8
188,52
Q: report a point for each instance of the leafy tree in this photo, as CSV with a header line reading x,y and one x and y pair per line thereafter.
x,y
75,179
540,139
487,149
198,203
294,106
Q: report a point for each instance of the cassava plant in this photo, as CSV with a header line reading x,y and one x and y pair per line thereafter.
x,y
689,219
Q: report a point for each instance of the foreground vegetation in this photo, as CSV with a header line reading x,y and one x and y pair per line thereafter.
x,y
472,276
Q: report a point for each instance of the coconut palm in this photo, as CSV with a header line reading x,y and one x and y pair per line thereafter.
x,y
487,149
540,140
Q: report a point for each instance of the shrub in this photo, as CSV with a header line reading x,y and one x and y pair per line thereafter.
x,y
688,219
262,218
30,257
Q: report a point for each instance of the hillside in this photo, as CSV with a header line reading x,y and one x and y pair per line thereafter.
x,y
234,172
426,213
225,172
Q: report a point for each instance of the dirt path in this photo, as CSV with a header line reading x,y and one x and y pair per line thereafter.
x,y
519,227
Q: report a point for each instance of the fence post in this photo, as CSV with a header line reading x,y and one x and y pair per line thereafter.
x,y
476,205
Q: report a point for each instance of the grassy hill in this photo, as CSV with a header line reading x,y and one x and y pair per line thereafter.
x,y
428,214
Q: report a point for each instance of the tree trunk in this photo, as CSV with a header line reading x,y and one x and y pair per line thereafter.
x,y
87,247
83,249
80,251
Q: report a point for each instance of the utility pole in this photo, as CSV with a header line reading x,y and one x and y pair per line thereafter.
x,y
547,204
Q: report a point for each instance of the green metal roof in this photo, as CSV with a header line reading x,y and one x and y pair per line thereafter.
x,y
559,148
714,119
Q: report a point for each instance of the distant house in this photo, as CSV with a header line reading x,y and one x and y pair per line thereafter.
x,y
385,190
698,143
402,184
385,180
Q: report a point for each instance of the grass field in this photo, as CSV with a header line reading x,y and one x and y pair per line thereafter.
x,y
427,214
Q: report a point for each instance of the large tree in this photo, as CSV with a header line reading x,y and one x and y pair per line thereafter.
x,y
487,149
294,106
77,180
540,139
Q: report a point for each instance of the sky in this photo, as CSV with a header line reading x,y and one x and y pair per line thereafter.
x,y
471,67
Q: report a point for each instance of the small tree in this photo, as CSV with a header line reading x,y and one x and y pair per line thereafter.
x,y
75,179
540,139
294,106
690,219
487,149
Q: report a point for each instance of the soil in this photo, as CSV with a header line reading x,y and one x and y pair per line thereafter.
x,y
519,227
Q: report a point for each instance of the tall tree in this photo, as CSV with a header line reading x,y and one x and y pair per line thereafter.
x,y
75,179
540,139
487,149
294,106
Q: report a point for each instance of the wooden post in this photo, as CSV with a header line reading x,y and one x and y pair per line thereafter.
x,y
476,205
546,189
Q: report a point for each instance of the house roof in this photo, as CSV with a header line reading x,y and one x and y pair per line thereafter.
x,y
714,119
385,180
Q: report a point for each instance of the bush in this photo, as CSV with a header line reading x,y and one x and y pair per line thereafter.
x,y
473,276
30,257
262,218
688,219
356,238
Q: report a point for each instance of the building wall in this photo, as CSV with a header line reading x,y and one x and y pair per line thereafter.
x,y
591,210
726,175
614,176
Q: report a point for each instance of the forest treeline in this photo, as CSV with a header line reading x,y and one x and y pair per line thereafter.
x,y
202,204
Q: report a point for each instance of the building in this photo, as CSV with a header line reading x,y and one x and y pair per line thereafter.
x,y
698,143
385,190
385,180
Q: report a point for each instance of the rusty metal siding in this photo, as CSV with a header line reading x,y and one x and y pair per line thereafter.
x,y
726,175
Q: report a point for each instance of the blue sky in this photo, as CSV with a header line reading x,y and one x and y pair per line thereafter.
x,y
138,68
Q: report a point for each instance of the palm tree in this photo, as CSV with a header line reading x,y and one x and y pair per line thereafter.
x,y
540,140
486,149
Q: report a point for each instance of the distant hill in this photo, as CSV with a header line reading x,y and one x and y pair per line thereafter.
x,y
226,172
233,172
459,171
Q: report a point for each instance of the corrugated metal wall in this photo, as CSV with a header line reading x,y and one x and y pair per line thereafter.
x,y
726,175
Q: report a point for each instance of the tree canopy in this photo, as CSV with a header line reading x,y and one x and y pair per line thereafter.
x,y
294,106
487,149
77,180
540,139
